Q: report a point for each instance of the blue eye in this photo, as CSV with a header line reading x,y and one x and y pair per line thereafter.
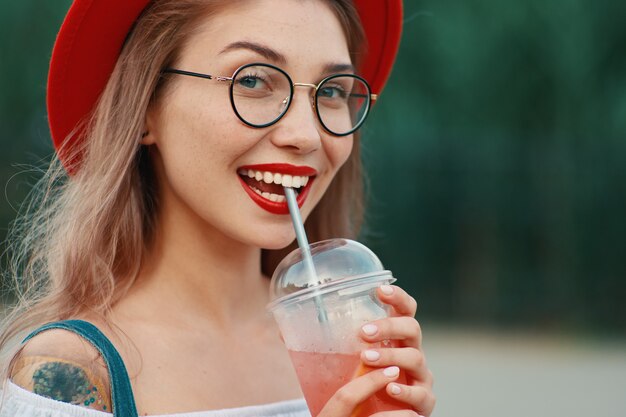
x,y
248,82
252,81
332,92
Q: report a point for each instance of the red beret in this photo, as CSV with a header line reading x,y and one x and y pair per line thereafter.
x,y
93,33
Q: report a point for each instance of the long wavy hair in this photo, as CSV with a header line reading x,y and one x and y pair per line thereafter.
x,y
77,246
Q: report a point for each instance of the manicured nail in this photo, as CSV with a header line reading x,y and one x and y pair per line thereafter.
x,y
392,371
372,355
370,329
386,289
395,389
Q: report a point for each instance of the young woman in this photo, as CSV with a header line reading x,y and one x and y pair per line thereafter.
x,y
178,122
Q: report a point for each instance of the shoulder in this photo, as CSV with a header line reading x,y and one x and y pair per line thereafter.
x,y
61,365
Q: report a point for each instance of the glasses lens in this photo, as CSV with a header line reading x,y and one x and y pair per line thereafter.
x,y
261,94
342,103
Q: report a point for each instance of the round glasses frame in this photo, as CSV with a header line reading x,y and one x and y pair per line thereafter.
x,y
230,80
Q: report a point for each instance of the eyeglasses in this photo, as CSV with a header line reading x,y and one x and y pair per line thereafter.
x,y
262,93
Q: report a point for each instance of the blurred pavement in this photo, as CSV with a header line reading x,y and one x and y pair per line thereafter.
x,y
489,374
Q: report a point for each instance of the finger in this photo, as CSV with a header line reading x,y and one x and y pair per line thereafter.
x,y
420,398
411,360
349,396
397,413
403,304
403,328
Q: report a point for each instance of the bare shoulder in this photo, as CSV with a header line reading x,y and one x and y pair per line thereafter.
x,y
61,365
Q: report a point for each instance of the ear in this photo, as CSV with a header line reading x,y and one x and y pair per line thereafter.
x,y
148,136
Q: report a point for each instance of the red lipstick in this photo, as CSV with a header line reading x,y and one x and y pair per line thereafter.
x,y
283,169
276,207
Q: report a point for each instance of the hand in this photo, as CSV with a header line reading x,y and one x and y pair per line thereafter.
x,y
347,399
405,330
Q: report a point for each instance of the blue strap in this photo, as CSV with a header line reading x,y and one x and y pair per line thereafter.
x,y
121,390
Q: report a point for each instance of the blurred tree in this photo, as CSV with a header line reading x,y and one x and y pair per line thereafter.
x,y
498,163
27,30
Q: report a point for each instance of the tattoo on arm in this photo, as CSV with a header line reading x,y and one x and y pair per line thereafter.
x,y
68,383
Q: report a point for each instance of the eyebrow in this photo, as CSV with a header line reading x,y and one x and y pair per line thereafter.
x,y
275,56
264,51
336,68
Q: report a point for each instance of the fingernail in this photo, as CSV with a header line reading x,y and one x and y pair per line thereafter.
x,y
395,389
372,355
392,371
370,329
386,289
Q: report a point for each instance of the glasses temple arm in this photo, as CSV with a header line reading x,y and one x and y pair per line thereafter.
x,y
189,73
371,96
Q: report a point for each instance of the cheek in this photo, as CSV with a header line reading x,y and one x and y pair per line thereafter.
x,y
338,150
195,132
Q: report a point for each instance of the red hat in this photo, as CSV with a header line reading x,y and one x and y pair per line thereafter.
x,y
94,31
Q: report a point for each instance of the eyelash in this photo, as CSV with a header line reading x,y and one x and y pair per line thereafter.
x,y
252,75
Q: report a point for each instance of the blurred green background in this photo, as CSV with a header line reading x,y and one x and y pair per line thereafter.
x,y
497,160
497,170
496,156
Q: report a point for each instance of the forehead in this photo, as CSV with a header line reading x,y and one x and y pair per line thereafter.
x,y
306,32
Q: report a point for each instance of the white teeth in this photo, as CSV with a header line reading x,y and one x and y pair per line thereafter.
x,y
270,196
295,181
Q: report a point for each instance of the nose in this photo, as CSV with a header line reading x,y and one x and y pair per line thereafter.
x,y
298,129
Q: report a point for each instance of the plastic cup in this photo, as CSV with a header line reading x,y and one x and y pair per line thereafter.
x,y
325,346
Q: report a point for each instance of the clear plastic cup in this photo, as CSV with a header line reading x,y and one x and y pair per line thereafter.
x,y
320,318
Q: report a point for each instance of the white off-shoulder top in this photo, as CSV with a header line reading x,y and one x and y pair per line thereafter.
x,y
18,402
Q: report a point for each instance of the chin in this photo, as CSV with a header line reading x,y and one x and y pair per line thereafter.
x,y
277,243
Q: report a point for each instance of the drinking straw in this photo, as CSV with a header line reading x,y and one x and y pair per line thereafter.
x,y
303,243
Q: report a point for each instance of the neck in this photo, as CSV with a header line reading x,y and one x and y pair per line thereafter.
x,y
201,275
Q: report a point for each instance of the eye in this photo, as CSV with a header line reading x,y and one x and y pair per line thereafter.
x,y
252,81
332,91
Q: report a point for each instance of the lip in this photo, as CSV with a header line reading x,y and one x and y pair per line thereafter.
x,y
288,169
275,207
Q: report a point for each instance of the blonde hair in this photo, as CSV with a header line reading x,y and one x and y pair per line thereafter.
x,y
78,244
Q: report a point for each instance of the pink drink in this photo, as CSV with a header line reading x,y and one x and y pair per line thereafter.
x,y
322,374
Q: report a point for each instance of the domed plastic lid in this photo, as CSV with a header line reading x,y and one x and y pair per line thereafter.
x,y
336,263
